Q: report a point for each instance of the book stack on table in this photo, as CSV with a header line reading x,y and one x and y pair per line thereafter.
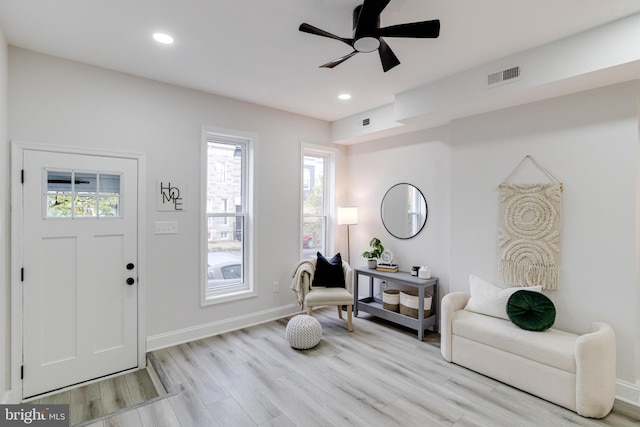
x,y
388,267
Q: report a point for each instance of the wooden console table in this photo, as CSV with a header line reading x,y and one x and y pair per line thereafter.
x,y
374,306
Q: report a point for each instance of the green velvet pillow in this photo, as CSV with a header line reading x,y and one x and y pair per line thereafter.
x,y
532,311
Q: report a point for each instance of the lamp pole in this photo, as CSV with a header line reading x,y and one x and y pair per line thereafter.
x,y
348,215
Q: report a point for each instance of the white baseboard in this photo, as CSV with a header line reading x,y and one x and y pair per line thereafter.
x,y
628,392
181,336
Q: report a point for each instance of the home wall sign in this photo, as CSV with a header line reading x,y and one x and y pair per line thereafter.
x,y
170,196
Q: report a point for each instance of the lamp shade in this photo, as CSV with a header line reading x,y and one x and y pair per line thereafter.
x,y
347,215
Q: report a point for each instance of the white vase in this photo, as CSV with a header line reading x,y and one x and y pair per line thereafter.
x,y
372,262
424,272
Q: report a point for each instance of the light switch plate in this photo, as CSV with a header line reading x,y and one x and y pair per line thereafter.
x,y
166,227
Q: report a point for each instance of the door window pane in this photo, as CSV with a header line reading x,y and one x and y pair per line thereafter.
x,y
58,205
71,194
109,196
109,183
59,193
85,187
85,182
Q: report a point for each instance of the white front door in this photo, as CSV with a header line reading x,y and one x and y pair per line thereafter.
x,y
79,268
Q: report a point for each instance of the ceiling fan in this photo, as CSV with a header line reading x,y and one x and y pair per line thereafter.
x,y
367,34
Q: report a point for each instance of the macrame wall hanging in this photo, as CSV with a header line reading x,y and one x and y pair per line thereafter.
x,y
529,233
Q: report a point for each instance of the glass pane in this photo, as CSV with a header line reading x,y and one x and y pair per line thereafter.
x,y
109,183
224,258
85,205
224,178
109,197
85,187
313,185
313,232
85,182
109,205
58,205
58,181
58,197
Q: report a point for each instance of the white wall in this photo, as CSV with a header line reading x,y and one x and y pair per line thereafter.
x,y
54,101
4,224
421,159
588,140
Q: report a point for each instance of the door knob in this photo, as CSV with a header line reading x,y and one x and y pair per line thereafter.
x,y
130,266
130,281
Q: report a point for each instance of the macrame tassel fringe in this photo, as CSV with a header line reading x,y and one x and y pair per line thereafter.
x,y
516,273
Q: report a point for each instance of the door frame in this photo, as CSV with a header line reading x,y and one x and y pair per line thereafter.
x,y
17,154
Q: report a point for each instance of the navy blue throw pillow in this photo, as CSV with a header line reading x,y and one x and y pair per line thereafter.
x,y
329,273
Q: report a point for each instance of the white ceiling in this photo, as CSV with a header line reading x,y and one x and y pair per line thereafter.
x,y
252,49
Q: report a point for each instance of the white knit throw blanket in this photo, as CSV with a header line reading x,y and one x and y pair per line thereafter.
x,y
530,234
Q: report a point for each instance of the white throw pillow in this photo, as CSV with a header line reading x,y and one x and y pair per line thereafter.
x,y
491,300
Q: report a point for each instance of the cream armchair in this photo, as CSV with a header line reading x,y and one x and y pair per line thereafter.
x,y
314,296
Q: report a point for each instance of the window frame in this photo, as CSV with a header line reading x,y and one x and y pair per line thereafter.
x,y
246,289
329,155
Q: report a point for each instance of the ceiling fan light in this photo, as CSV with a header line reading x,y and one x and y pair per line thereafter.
x,y
366,44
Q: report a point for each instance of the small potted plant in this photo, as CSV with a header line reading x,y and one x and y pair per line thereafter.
x,y
375,252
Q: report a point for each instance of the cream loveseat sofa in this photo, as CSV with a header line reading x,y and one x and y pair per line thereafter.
x,y
576,372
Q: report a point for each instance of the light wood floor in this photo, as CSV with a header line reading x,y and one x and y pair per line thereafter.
x,y
105,397
377,375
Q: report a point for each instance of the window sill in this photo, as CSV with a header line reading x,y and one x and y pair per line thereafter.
x,y
228,296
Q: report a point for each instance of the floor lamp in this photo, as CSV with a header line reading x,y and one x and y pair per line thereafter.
x,y
348,215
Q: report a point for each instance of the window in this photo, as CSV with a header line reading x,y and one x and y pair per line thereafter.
x,y
228,216
225,207
219,171
317,200
73,194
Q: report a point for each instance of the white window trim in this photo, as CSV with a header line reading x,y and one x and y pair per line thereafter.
x,y
248,290
330,154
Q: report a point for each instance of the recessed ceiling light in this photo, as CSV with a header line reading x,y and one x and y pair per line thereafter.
x,y
163,38
344,96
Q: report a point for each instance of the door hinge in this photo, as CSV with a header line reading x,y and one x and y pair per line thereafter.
x,y
22,274
22,176
22,372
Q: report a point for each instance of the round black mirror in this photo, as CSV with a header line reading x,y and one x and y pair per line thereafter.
x,y
404,211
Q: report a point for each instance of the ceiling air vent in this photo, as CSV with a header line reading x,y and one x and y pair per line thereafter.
x,y
503,76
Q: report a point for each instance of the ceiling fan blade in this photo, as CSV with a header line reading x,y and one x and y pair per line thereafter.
x,y
387,57
369,19
424,29
338,61
306,28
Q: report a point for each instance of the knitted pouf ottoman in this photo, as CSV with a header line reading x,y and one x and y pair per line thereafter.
x,y
303,332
